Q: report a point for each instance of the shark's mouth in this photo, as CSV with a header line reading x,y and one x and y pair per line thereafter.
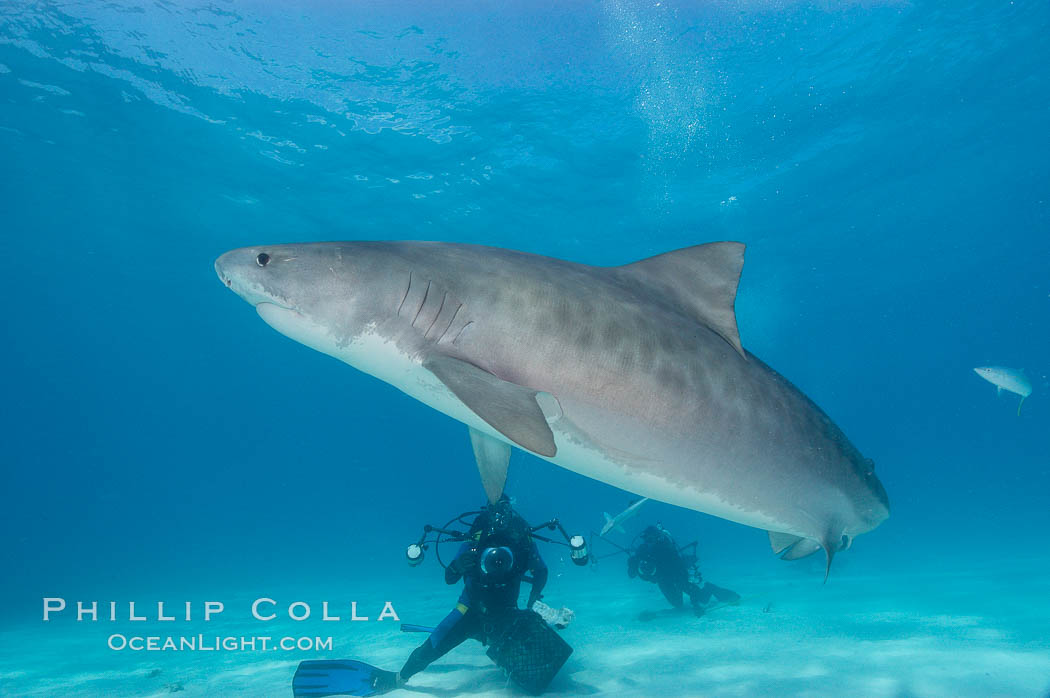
x,y
270,310
291,323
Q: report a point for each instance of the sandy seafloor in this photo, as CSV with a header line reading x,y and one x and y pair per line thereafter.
x,y
931,630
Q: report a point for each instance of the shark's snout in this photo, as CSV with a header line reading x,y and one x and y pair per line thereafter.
x,y
220,271
224,266
265,276
243,272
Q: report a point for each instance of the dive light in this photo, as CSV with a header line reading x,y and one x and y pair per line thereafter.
x,y
414,554
578,549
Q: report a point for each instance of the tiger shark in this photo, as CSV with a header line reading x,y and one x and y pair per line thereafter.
x,y
632,375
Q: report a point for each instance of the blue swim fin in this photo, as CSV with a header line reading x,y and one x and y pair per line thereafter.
x,y
340,677
412,628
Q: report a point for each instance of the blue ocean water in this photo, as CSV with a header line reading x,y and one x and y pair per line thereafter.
x,y
885,162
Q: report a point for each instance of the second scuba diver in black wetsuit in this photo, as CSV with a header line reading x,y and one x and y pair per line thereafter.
x,y
658,559
491,564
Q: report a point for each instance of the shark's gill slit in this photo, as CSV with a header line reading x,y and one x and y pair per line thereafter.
x,y
450,322
437,315
461,329
422,305
405,297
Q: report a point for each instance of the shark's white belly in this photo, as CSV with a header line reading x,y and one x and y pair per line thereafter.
x,y
381,357
377,356
591,461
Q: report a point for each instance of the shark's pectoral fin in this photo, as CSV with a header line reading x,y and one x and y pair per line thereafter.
x,y
701,281
512,410
999,390
493,457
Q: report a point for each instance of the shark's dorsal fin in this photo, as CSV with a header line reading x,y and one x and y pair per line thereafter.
x,y
699,281
511,409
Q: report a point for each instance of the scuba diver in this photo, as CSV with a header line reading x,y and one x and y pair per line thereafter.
x,y
658,559
497,552
491,563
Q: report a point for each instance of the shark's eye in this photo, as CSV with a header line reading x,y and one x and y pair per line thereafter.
x,y
263,259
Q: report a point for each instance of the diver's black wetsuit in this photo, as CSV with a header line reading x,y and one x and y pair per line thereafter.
x,y
484,604
658,559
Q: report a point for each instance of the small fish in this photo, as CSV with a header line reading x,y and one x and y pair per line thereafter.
x,y
612,522
1011,379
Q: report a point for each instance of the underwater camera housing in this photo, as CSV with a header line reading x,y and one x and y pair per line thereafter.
x,y
496,560
496,563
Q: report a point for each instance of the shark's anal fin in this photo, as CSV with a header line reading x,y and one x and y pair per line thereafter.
x,y
493,457
509,408
700,281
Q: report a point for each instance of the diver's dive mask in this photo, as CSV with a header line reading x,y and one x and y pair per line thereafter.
x,y
499,516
